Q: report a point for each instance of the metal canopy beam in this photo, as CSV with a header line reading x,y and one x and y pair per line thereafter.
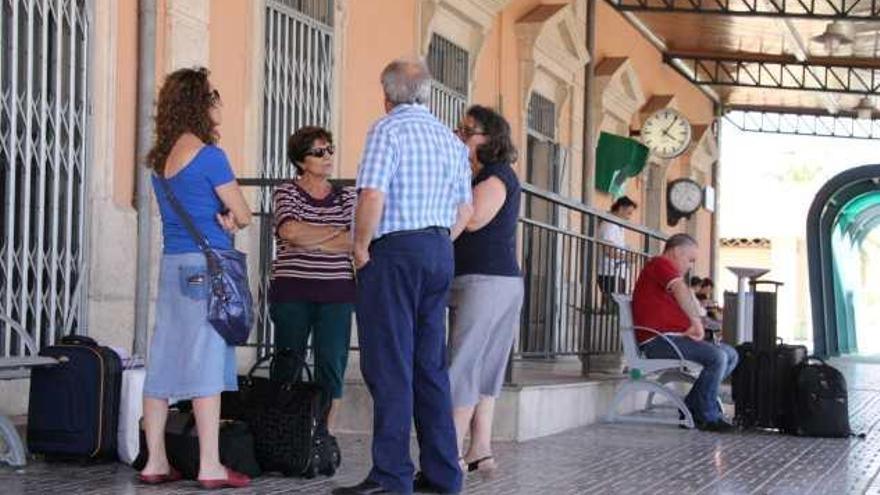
x,y
840,75
855,10
802,123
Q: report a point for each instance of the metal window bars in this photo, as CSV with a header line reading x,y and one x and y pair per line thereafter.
x,y
449,65
542,116
44,63
297,91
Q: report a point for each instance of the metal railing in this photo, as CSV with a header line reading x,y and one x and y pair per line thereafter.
x,y
565,312
568,271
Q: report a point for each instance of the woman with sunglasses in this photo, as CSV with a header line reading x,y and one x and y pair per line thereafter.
x,y
312,287
487,291
188,359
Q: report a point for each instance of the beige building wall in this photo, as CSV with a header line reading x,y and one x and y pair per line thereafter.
x,y
519,46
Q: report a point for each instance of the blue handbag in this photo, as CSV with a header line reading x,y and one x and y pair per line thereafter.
x,y
230,303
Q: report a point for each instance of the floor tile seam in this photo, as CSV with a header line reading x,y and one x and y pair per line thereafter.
x,y
659,460
787,464
734,468
825,476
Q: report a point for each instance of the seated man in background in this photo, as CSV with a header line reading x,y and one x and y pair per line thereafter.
x,y
663,301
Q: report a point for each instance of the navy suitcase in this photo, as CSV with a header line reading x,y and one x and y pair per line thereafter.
x,y
73,410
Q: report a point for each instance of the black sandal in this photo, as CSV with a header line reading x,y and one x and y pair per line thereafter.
x,y
475,465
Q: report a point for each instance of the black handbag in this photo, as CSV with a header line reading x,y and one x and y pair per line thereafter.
x,y
287,417
182,445
230,303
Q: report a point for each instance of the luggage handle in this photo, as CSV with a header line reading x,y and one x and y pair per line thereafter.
x,y
298,375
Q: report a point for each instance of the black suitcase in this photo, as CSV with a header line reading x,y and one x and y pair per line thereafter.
x,y
73,410
236,444
763,385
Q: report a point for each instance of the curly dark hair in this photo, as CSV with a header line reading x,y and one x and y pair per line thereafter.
x,y
184,105
300,142
499,147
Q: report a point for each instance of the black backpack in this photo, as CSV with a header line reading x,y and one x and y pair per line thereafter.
x,y
821,406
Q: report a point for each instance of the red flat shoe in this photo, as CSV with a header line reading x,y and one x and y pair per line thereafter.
x,y
233,480
158,479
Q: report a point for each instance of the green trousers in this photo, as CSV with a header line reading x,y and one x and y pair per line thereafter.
x,y
328,324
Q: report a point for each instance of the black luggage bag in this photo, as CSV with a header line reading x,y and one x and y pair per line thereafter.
x,y
288,417
763,386
73,410
821,403
236,444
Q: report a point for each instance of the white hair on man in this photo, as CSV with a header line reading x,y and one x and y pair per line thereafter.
x,y
407,80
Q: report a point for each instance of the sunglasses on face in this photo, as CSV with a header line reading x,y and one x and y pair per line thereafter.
x,y
465,132
321,152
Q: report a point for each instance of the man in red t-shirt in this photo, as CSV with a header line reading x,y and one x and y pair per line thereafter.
x,y
663,302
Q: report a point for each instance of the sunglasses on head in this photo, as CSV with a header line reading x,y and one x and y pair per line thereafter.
x,y
321,152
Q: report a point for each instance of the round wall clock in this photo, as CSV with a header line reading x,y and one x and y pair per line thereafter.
x,y
667,133
683,198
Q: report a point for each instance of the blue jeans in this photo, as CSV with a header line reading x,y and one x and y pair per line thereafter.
x,y
401,305
718,362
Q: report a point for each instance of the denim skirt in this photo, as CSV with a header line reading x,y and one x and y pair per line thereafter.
x,y
187,358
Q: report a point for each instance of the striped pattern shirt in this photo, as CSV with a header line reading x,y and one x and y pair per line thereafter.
x,y
308,275
420,166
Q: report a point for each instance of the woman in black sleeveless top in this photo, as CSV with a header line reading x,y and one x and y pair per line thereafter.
x,y
487,292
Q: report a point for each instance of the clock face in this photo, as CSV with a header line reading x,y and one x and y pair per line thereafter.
x,y
685,195
666,133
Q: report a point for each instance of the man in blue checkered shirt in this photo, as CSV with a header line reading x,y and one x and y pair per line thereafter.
x,y
414,195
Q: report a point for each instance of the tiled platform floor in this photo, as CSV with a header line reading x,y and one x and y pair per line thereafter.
x,y
604,458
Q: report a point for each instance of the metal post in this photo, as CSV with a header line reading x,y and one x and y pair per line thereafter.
x,y
589,158
146,93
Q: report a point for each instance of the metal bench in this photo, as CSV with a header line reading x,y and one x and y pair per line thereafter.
x,y
14,367
650,375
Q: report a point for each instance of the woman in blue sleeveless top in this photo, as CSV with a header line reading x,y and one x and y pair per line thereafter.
x,y
188,359
487,292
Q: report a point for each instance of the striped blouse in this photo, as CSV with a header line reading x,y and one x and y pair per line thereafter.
x,y
308,275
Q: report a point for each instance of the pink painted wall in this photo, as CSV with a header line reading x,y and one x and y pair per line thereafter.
x,y
373,38
125,127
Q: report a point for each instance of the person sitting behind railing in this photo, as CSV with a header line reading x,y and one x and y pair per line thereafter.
x,y
705,296
663,302
711,323
612,270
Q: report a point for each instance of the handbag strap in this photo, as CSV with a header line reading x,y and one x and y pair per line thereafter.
x,y
194,232
298,377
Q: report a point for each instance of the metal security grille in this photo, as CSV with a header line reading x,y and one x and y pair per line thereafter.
x,y
298,86
44,48
298,91
542,116
449,65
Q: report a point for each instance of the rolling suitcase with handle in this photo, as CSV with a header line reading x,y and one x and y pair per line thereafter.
x,y
73,410
763,385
